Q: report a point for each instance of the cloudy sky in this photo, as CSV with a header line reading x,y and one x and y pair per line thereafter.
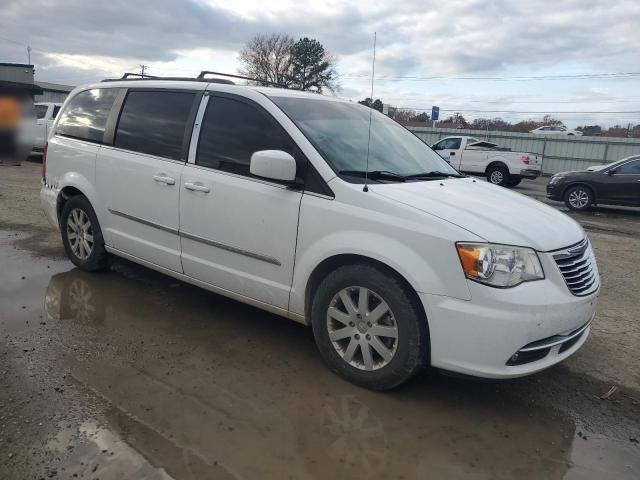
x,y
486,55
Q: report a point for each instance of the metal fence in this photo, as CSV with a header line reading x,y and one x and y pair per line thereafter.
x,y
560,153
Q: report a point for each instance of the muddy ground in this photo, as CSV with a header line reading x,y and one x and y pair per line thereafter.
x,y
130,374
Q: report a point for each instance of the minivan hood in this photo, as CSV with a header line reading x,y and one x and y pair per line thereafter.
x,y
494,213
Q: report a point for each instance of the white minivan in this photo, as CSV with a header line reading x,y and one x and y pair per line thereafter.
x,y
325,212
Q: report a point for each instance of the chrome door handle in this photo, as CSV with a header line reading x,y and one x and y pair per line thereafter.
x,y
195,187
164,179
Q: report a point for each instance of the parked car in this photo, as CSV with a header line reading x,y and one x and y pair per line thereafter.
x,y
555,130
278,199
45,113
500,165
616,183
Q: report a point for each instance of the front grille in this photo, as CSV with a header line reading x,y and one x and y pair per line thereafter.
x,y
577,265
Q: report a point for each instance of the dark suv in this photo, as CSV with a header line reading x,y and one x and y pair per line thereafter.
x,y
616,183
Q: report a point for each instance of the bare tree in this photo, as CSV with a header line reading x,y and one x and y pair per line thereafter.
x,y
268,58
456,120
403,115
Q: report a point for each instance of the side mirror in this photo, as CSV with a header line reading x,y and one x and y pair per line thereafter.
x,y
435,147
274,165
611,172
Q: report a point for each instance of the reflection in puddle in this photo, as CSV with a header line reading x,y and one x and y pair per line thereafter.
x,y
359,441
203,387
96,452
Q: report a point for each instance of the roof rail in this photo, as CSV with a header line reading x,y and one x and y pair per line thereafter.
x,y
204,73
200,78
139,77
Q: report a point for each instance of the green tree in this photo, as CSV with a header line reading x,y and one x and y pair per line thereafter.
x,y
375,104
312,67
421,117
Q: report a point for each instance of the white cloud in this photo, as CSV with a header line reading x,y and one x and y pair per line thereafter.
x,y
75,41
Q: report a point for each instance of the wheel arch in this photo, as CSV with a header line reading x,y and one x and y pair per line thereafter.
x,y
329,264
496,162
71,185
580,184
63,197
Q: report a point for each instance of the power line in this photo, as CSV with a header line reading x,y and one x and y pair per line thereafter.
x,y
523,111
14,42
580,76
29,49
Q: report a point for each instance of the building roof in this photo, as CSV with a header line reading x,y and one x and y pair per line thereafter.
x,y
21,65
55,87
18,87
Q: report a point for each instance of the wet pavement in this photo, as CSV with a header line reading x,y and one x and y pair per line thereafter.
x,y
131,374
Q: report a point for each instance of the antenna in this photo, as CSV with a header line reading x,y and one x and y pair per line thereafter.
x,y
373,75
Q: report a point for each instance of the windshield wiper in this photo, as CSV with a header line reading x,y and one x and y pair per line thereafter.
x,y
375,174
433,174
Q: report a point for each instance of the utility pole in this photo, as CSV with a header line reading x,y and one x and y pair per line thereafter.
x,y
143,67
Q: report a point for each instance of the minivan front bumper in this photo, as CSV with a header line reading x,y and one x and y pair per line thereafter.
x,y
512,332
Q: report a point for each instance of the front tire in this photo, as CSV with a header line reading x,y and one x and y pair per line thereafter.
x,y
578,198
82,236
368,328
498,175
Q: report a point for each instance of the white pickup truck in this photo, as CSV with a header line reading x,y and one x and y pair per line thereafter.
x,y
45,115
500,165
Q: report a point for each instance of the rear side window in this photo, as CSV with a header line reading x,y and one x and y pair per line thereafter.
x,y
85,117
56,110
630,168
154,122
41,111
233,130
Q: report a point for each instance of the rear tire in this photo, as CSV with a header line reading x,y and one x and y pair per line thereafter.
x,y
578,198
368,328
82,236
498,175
514,182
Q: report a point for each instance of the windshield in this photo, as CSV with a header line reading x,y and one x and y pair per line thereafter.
x,y
598,168
340,133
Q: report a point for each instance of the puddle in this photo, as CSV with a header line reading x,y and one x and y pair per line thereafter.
x,y
23,279
198,386
93,451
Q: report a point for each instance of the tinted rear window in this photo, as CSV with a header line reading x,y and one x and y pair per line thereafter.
x,y
41,110
154,122
631,167
85,117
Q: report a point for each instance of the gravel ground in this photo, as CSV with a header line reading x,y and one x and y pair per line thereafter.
x,y
131,374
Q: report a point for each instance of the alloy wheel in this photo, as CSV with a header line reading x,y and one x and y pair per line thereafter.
x,y
496,177
578,199
362,328
80,233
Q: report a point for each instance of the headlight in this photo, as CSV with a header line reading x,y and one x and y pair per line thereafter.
x,y
555,179
499,265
